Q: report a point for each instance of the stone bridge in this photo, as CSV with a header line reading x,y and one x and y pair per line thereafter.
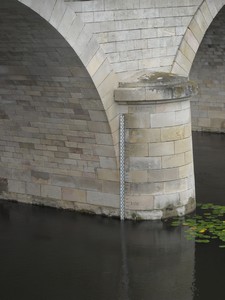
x,y
70,69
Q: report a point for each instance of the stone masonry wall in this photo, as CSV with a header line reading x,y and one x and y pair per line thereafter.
x,y
55,141
208,108
137,34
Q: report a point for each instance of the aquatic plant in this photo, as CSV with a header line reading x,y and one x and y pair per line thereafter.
x,y
207,224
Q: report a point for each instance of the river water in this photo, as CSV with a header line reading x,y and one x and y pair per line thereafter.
x,y
49,254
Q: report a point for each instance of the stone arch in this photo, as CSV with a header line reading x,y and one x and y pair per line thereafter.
x,y
56,142
83,42
194,35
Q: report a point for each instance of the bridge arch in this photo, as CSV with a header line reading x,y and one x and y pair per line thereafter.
x,y
83,42
194,34
57,113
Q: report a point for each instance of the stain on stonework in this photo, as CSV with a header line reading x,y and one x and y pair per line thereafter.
x,y
3,185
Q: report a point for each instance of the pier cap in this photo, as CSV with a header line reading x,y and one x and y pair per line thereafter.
x,y
157,86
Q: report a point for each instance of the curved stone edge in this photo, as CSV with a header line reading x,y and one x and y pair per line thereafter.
x,y
194,35
83,42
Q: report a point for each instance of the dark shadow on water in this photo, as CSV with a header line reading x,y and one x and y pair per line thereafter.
x,y
209,159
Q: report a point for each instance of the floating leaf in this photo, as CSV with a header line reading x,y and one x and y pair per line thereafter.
x,y
202,241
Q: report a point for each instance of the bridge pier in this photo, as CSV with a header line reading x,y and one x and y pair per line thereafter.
x,y
159,157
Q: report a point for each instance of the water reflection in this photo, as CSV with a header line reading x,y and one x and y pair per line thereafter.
x,y
50,254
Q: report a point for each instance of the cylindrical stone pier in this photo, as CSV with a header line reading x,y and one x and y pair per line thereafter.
x,y
159,157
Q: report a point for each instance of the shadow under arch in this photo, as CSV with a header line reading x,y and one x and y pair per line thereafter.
x,y
208,111
78,35
56,142
194,34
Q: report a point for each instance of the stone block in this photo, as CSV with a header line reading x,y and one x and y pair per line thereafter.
x,y
108,163
138,120
183,117
33,189
89,51
163,120
144,135
172,133
16,186
177,69
137,150
85,183
144,163
212,8
137,176
98,127
146,188
185,196
111,187
182,60
168,201
188,157
23,175
103,71
173,161
201,21
186,171
57,13
51,191
183,145
102,199
103,139
163,175
96,61
206,12
128,94
62,181
103,150
191,40
149,215
40,177
76,195
176,185
187,51
108,174
99,116
195,28
161,149
140,202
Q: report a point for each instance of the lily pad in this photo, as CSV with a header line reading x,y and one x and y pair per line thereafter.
x,y
207,225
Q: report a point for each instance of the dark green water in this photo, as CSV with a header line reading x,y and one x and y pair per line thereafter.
x,y
48,254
